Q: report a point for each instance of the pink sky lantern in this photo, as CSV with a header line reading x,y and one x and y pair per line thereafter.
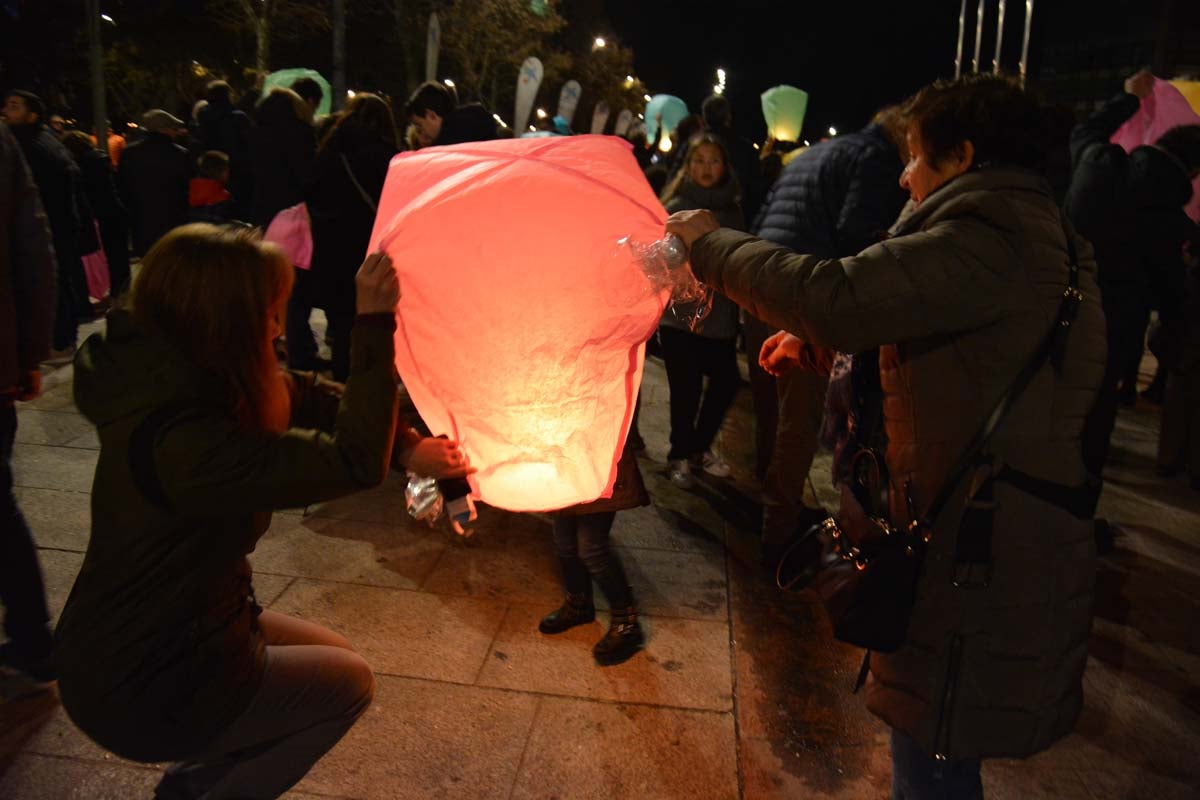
x,y
522,322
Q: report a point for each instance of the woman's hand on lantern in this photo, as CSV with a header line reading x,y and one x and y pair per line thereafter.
x,y
377,287
691,225
780,353
435,457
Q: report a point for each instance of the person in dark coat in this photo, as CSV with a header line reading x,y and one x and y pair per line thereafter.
x,y
432,110
221,126
59,183
743,158
100,186
832,200
27,300
153,180
1130,206
352,163
283,150
162,651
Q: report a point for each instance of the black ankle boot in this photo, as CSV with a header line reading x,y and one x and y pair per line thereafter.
x,y
577,609
624,638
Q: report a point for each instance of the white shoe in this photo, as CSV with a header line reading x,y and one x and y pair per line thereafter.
x,y
714,465
680,473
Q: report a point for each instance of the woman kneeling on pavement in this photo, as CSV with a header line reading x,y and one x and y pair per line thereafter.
x,y
162,651
958,301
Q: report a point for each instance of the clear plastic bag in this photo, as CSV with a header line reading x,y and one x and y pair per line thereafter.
x,y
423,499
664,262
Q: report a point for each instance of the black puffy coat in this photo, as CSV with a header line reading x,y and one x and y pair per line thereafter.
x,y
284,155
468,123
837,197
153,179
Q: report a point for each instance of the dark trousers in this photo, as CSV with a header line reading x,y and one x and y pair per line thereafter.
x,y
582,543
114,238
763,393
302,346
21,589
314,689
340,325
917,776
1179,436
697,414
1125,323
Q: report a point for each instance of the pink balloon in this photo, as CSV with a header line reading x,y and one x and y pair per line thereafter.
x,y
522,321
1163,109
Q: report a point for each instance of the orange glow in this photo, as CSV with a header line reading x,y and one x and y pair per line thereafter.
x,y
522,323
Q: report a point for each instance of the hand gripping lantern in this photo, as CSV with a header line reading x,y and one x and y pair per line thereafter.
x,y
522,321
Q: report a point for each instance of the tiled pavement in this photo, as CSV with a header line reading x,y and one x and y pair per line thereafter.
x,y
741,691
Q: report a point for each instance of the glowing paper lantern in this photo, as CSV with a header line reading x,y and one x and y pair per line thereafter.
x,y
522,323
1161,110
1190,91
783,109
286,77
672,109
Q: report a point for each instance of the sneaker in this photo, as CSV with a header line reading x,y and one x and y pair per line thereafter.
x,y
680,472
714,465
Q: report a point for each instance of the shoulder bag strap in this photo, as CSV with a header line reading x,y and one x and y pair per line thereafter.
x,y
361,191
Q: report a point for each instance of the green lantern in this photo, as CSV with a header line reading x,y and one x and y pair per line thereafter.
x,y
286,77
783,108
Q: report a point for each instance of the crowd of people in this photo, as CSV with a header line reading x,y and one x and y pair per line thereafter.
x,y
888,287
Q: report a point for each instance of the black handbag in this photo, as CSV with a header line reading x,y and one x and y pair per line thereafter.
x,y
864,569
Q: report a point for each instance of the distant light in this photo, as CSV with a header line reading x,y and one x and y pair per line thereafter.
x,y
541,113
629,79
832,131
720,75
599,43
641,116
107,19
448,82
646,97
664,144
755,145
349,93
806,143
497,118
531,128
718,89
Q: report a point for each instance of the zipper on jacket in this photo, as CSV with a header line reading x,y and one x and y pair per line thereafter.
x,y
941,736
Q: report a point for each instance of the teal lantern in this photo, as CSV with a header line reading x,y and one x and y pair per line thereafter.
x,y
284,78
672,109
783,108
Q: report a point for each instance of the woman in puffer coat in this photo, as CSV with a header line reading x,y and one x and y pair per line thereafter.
x,y
958,301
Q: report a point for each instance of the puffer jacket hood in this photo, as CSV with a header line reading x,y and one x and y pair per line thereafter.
x,y
1157,179
122,373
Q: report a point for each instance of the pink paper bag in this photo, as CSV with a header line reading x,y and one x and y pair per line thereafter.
x,y
1163,109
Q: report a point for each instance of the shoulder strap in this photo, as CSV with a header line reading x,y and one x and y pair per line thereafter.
x,y
1052,348
361,191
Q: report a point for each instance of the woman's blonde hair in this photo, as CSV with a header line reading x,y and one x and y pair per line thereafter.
x,y
213,292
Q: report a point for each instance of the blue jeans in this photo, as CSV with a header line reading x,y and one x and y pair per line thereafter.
x,y
917,776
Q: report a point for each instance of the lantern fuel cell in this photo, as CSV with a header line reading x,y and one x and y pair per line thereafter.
x,y
460,508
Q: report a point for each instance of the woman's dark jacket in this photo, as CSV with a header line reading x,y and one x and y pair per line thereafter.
x,y
283,155
341,218
153,179
158,649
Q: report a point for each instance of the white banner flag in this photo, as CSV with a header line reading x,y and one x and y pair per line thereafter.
x,y
623,121
528,81
600,117
433,40
568,99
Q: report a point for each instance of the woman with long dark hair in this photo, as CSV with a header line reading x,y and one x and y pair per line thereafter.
x,y
352,163
162,651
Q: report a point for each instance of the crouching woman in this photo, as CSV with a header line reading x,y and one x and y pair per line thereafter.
x,y
162,651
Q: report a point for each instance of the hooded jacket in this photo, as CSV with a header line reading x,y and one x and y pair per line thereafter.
x,y
958,300
158,648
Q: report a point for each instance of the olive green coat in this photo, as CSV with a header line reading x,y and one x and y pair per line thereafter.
x,y
158,648
958,300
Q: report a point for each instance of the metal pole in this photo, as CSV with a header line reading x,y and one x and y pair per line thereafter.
x,y
962,22
999,39
978,36
1025,40
96,59
339,55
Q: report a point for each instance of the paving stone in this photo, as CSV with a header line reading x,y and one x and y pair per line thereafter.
x,y
1105,783
51,427
59,520
685,663
56,397
399,632
45,467
658,528
34,777
422,739
1015,781
348,551
581,749
772,770
59,569
673,584
500,565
